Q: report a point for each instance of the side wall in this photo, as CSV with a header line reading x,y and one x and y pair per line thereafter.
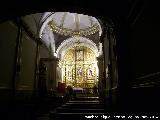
x,y
8,35
25,80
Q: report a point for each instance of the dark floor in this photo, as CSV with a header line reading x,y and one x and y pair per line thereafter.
x,y
30,110
81,107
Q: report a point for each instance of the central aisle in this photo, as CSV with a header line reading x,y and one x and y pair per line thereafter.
x,y
78,109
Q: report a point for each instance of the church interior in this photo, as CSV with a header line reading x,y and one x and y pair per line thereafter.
x,y
80,61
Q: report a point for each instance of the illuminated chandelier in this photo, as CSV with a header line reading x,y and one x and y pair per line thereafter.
x,y
61,19
67,32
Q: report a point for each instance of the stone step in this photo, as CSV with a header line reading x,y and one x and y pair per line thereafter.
x,y
77,116
95,101
83,103
86,95
78,106
62,110
86,98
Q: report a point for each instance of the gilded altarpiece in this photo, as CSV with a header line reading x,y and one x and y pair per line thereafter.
x,y
79,67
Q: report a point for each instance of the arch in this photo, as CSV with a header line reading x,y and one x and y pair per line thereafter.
x,y
44,20
47,16
71,42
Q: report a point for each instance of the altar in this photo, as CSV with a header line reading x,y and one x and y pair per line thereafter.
x,y
79,68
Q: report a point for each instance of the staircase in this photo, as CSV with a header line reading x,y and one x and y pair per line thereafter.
x,y
80,108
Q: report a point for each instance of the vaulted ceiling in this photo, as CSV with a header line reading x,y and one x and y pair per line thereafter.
x,y
117,11
55,27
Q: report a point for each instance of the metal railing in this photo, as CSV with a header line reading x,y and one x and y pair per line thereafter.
x,y
148,80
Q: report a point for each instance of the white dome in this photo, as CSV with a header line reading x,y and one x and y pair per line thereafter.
x,y
67,23
72,20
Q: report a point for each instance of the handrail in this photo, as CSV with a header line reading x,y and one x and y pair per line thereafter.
x,y
147,83
149,75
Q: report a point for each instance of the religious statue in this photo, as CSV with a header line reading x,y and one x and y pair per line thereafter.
x,y
79,55
79,72
90,74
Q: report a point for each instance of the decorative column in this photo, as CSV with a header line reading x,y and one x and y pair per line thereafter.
x,y
101,79
102,38
37,62
51,70
113,68
54,71
103,67
17,64
110,56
